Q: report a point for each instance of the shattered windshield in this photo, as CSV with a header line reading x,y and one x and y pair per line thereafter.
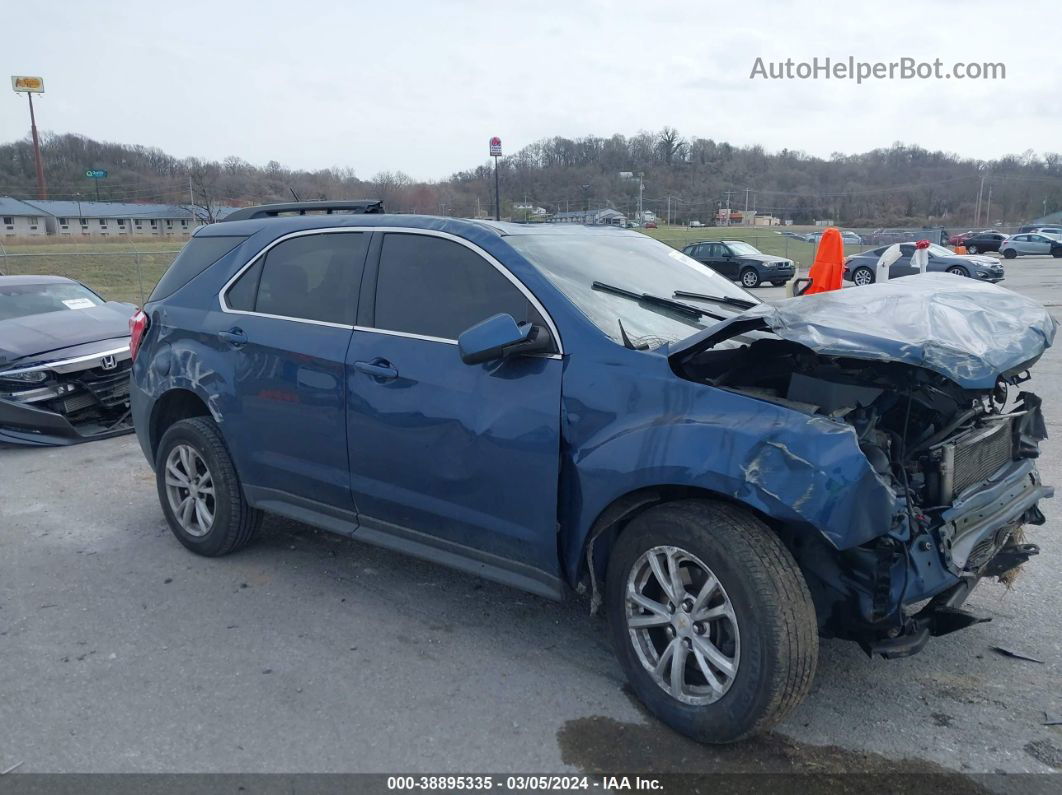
x,y
636,264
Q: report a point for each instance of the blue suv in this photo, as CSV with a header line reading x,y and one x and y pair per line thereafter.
x,y
585,409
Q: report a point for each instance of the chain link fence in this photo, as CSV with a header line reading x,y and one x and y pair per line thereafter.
x,y
118,274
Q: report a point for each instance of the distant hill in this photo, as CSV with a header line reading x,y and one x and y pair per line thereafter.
x,y
901,185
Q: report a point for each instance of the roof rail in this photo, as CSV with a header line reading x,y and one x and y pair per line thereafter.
x,y
301,208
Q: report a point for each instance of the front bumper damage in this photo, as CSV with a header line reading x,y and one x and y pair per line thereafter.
x,y
83,397
894,593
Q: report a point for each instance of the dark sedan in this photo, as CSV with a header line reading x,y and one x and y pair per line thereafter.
x,y
860,269
64,362
740,262
984,241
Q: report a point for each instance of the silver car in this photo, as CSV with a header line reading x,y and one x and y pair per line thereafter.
x,y
1029,243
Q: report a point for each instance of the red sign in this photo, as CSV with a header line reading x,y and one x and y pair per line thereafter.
x,y
495,146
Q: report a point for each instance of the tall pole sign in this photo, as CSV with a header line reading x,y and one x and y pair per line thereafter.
x,y
495,152
96,174
28,85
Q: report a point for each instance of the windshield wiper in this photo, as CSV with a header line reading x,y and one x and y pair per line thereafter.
x,y
719,299
677,306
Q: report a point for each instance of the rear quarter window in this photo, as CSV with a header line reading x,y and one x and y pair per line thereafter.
x,y
198,254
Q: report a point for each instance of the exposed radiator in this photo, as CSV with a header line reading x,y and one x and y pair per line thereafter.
x,y
973,456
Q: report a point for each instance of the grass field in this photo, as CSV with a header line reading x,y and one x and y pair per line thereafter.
x,y
118,270
764,238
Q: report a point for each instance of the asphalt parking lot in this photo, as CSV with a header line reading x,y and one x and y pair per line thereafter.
x,y
120,651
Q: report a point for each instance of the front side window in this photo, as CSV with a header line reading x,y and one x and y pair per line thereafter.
x,y
311,277
435,287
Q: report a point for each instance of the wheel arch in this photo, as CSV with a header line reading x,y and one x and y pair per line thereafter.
x,y
613,519
174,405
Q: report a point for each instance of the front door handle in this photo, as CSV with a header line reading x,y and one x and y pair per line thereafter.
x,y
380,369
234,336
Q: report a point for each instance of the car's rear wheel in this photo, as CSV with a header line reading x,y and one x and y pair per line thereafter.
x,y
1010,253
711,619
958,270
971,249
862,276
1056,252
200,493
749,278
779,283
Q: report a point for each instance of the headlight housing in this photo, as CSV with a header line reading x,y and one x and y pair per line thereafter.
x,y
33,377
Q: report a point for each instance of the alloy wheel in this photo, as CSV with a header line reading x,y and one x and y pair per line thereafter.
x,y
749,278
862,277
190,490
682,625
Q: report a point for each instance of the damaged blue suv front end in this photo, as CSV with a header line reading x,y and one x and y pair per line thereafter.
x,y
924,471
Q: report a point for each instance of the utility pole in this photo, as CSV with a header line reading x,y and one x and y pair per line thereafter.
x,y
977,212
669,210
988,212
31,86
745,217
191,203
641,189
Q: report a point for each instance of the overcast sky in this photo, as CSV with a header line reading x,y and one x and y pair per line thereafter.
x,y
421,86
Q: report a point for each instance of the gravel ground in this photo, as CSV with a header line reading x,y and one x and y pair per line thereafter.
x,y
122,652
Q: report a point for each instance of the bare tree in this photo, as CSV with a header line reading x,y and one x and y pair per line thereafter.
x,y
671,144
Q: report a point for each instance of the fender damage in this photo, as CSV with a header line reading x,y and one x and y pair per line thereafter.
x,y
922,376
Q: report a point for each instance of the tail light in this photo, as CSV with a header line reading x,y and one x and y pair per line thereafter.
x,y
138,326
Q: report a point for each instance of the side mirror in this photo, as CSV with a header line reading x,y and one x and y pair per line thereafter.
x,y
500,337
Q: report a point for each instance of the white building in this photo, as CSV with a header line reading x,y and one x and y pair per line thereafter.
x,y
18,219
38,217
115,219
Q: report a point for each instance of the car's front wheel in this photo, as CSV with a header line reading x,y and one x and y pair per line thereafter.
x,y
862,276
958,270
711,619
971,249
200,493
749,278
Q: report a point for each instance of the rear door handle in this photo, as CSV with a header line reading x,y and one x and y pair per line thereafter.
x,y
379,369
234,336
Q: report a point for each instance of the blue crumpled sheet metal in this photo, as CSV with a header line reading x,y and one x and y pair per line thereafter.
x,y
966,330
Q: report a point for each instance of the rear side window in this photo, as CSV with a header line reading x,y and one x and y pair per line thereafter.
x,y
198,254
311,277
437,288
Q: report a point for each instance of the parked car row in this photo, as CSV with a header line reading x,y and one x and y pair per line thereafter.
x,y
861,269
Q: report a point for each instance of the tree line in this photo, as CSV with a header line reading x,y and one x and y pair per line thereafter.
x,y
689,177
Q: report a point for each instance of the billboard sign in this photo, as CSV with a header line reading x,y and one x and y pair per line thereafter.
x,y
495,146
27,84
96,173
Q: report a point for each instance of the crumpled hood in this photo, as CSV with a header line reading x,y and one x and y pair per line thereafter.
x,y
966,330
37,334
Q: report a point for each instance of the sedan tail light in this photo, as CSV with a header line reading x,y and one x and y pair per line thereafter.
x,y
138,326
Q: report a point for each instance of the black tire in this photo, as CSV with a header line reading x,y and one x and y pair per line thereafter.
x,y
749,278
1010,254
235,523
863,276
779,284
959,270
1056,253
971,249
773,608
